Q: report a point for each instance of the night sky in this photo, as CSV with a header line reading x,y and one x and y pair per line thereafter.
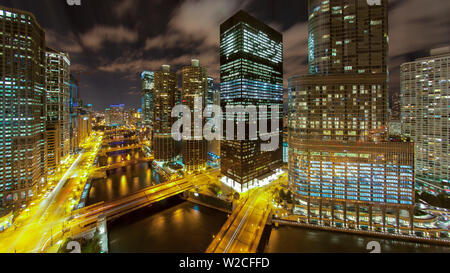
x,y
115,40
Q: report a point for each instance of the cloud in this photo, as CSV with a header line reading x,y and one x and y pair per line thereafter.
x,y
416,25
125,7
196,21
195,25
78,67
98,35
66,43
295,41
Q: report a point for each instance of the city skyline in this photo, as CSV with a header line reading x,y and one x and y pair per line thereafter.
x,y
117,48
295,142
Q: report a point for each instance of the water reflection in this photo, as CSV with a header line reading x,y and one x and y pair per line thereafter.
x,y
288,239
122,182
170,226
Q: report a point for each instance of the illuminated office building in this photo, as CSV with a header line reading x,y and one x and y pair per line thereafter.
x,y
148,84
213,98
194,86
251,73
343,171
22,108
213,95
425,100
58,105
74,112
164,101
134,117
115,115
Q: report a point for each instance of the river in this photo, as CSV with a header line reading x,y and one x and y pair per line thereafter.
x,y
170,226
175,225
287,239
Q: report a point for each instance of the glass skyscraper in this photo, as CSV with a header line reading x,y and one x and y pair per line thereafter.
x,y
251,73
148,84
22,107
74,112
343,171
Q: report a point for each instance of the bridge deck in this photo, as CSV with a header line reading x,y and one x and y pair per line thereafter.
x,y
243,229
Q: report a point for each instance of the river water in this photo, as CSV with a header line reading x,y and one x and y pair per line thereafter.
x,y
287,239
171,226
175,225
121,183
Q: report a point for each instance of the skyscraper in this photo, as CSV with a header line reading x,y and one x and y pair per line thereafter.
x,y
425,94
342,169
74,112
22,107
213,98
251,73
58,105
194,86
115,115
148,84
164,101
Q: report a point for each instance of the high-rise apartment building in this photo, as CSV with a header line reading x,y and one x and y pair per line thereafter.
x,y
22,108
148,84
343,171
251,73
58,105
425,100
164,101
194,87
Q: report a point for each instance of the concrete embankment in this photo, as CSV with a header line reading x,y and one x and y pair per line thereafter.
x,y
208,201
398,237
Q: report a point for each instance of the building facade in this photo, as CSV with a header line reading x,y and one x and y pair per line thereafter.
x,y
58,105
164,101
251,73
115,115
148,85
425,100
213,98
194,87
22,108
74,112
343,170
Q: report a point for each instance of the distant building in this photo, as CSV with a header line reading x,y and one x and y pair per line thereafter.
x,y
213,98
134,117
395,128
74,112
395,109
148,85
58,105
164,101
425,94
251,73
22,108
194,86
85,125
115,115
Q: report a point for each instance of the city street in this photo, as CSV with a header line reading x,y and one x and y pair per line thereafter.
x,y
49,214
